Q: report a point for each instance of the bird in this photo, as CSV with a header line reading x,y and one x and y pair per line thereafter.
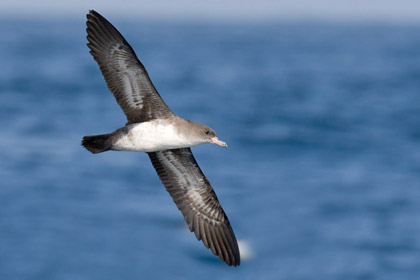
x,y
154,129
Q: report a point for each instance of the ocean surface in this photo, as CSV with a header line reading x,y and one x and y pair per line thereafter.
x,y
321,179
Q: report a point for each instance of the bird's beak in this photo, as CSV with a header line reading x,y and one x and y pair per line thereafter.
x,y
216,140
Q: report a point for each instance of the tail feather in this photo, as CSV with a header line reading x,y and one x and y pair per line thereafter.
x,y
97,143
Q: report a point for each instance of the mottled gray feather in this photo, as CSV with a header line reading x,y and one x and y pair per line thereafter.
x,y
124,74
194,196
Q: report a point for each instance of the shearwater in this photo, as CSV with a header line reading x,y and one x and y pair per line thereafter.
x,y
153,128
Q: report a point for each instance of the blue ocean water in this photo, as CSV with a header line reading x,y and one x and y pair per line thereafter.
x,y
321,179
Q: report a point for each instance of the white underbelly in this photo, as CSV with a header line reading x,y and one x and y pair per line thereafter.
x,y
150,137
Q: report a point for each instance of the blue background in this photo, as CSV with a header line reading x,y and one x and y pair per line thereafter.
x,y
321,179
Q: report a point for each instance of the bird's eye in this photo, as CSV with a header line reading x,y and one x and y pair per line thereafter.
x,y
207,132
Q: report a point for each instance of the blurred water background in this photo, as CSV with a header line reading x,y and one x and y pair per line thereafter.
x,y
321,179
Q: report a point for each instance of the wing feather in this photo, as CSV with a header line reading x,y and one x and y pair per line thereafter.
x,y
124,74
196,199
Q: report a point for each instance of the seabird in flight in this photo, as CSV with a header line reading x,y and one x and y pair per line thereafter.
x,y
153,128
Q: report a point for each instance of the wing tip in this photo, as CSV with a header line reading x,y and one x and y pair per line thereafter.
x,y
221,241
92,13
233,247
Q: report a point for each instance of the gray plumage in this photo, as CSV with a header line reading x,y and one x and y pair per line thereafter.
x,y
196,199
124,74
178,170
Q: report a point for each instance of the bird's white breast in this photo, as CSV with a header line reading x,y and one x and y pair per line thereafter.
x,y
150,136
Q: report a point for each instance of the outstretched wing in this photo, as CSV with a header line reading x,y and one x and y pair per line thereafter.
x,y
124,74
193,195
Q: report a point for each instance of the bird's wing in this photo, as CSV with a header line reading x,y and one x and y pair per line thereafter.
x,y
124,74
196,199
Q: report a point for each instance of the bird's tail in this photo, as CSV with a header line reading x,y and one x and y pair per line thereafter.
x,y
97,143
